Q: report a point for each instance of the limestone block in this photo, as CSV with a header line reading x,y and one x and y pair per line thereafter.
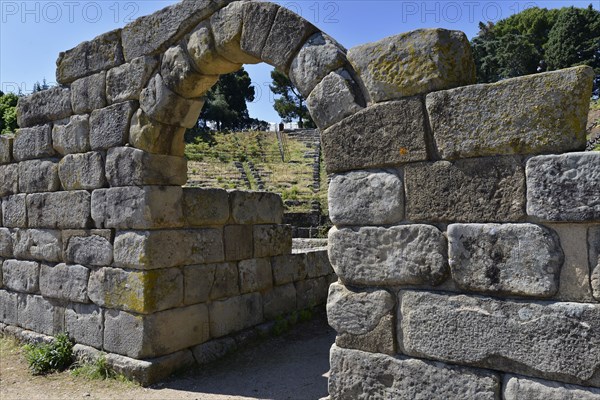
x,y
398,255
205,206
40,315
8,307
202,51
181,77
198,281
474,190
511,259
9,179
6,244
366,198
288,33
289,268
109,126
412,63
45,106
145,207
564,187
85,324
593,241
311,292
6,149
317,263
14,211
235,314
379,340
167,248
279,301
255,275
225,284
38,244
157,334
239,243
101,53
227,31
82,171
258,20
539,113
33,142
256,207
319,56
38,176
520,388
154,137
396,135
143,292
88,249
272,240
357,312
21,276
126,81
89,93
359,375
557,341
63,210
126,166
64,282
152,34
72,136
214,350
333,99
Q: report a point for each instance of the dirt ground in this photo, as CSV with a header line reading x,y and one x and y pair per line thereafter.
x,y
293,366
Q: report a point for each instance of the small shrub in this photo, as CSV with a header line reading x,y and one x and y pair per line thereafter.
x,y
48,357
305,315
281,326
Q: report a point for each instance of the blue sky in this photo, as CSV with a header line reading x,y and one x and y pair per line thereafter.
x,y
32,33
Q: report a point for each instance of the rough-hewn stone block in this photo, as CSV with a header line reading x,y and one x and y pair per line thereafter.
x,y
109,126
475,190
6,149
382,135
522,388
198,281
564,187
90,249
9,179
65,282
382,339
45,106
289,268
333,99
239,243
202,51
421,61
318,57
89,93
21,276
181,77
539,113
359,375
40,315
513,259
227,31
272,240
8,307
162,104
258,21
126,166
279,301
311,292
38,176
226,283
317,263
82,171
205,206
137,207
38,244
157,334
72,135
155,137
100,53
235,314
63,210
558,341
6,243
33,143
255,275
366,198
593,242
256,207
85,324
142,292
126,81
399,255
14,211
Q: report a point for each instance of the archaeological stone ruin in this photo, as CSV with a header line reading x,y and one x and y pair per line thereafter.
x,y
466,245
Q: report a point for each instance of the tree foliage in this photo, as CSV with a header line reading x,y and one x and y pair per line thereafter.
x,y
290,105
536,40
8,112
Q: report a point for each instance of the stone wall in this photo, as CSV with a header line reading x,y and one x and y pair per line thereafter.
x,y
467,233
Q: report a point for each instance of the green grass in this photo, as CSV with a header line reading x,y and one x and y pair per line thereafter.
x,y
98,370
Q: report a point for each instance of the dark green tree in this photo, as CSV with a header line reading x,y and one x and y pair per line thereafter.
x,y
8,112
37,87
290,105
